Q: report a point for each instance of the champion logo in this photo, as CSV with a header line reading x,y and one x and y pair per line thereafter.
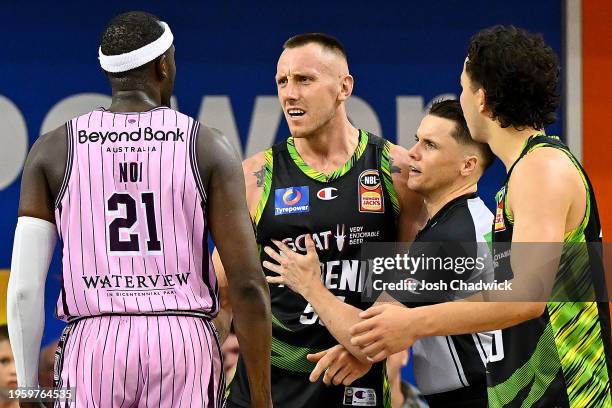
x,y
327,193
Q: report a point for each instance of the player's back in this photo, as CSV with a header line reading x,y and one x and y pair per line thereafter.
x,y
131,217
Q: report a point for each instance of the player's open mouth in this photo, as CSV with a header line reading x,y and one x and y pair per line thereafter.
x,y
413,169
295,112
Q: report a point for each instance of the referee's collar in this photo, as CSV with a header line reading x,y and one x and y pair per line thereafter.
x,y
452,203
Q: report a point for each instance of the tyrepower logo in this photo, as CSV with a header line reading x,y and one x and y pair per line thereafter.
x,y
147,134
291,200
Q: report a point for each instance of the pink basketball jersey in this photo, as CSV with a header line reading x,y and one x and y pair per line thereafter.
x,y
131,218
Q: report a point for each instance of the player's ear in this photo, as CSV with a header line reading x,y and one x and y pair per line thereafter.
x,y
162,68
481,97
346,87
470,164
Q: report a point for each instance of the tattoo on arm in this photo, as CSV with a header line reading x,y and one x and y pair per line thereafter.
x,y
394,169
261,175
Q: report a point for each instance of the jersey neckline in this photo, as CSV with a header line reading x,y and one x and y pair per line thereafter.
x,y
103,109
524,150
336,174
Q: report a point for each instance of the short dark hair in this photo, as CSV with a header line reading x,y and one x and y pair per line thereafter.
x,y
519,73
324,40
4,333
451,109
128,32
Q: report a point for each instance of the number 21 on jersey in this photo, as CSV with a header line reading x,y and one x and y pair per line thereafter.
x,y
129,231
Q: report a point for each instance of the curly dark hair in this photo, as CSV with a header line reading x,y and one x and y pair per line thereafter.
x,y
519,73
128,32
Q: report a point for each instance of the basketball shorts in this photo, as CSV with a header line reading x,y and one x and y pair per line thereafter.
x,y
140,361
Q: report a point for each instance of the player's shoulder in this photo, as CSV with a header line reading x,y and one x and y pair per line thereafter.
x,y
398,167
214,146
398,153
255,162
543,178
52,136
544,167
209,134
50,145
395,148
254,169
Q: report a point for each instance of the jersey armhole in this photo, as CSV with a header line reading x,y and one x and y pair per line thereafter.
x,y
69,160
587,208
583,223
385,166
193,158
268,155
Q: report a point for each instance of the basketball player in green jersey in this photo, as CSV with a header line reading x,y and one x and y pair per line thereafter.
x,y
336,185
551,354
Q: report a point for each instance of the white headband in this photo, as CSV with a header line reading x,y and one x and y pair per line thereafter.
x,y
138,57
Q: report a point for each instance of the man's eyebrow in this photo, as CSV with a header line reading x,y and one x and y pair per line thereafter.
x,y
427,139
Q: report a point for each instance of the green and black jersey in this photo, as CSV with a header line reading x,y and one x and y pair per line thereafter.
x,y
355,204
561,359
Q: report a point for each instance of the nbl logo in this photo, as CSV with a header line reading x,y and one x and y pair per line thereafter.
x,y
370,192
369,179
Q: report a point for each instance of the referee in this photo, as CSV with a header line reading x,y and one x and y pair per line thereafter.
x,y
445,166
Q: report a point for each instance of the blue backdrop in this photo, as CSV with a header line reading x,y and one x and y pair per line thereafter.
x,y
401,53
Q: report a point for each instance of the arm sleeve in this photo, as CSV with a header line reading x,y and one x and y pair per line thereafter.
x,y
32,252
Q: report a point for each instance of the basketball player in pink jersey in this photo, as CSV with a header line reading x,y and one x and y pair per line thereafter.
x,y
132,191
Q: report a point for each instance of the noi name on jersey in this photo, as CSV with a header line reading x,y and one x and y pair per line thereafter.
x,y
146,134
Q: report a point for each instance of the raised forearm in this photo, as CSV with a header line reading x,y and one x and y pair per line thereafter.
x,y
337,316
470,317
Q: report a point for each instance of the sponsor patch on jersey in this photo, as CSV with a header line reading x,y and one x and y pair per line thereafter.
x,y
359,397
340,236
499,213
291,200
327,193
370,192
